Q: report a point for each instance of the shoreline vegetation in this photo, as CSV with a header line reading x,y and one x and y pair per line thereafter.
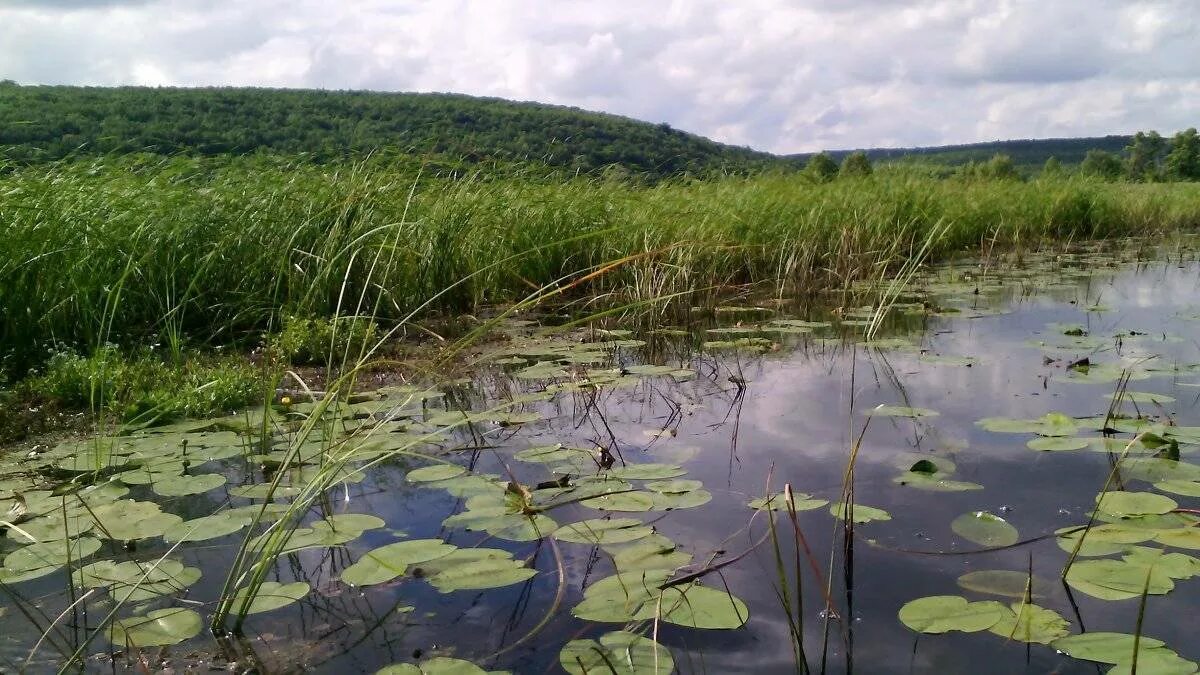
x,y
167,258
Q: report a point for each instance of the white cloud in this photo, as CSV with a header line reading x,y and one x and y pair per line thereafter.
x,y
774,74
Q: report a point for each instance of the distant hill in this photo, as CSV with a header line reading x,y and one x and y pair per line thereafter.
x,y
40,123
1029,153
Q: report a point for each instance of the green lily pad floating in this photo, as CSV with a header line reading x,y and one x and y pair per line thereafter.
x,y
604,531
1188,537
53,527
1004,583
429,474
126,520
1134,503
618,653
1158,661
552,454
1050,424
438,665
332,531
207,527
1105,647
159,628
1057,443
674,487
180,486
647,472
663,501
40,559
900,411
636,501
777,502
131,581
862,514
480,574
985,529
945,613
1031,623
385,563
655,552
631,596
271,595
1118,579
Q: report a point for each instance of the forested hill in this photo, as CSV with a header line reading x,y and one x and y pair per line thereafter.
x,y
1031,153
45,123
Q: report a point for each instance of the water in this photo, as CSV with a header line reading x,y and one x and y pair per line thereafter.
x,y
787,415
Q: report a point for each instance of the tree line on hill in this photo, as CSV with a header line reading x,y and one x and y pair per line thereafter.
x,y
1149,157
40,123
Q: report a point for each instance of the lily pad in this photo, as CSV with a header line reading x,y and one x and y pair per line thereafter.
x,y
618,653
1134,503
862,514
944,613
207,527
1009,584
480,574
1031,623
433,473
604,531
777,502
126,520
1105,647
388,562
161,627
179,486
271,595
985,529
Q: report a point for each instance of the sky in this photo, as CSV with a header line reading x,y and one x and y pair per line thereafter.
x,y
777,75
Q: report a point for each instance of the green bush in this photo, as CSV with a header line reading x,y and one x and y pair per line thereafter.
x,y
304,340
143,386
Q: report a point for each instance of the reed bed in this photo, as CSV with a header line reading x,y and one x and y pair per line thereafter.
x,y
188,253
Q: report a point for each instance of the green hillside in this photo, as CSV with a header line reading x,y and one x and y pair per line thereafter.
x,y
40,123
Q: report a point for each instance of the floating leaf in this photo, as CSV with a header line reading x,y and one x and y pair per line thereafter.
x,y
1050,424
862,514
483,573
439,665
622,501
1057,443
943,613
604,531
271,595
161,627
647,472
985,529
1134,503
1030,623
800,502
207,527
550,454
1118,579
674,487
1187,488
631,596
655,552
127,520
388,562
1001,582
1105,647
1157,661
436,472
133,581
618,653
179,486
38,560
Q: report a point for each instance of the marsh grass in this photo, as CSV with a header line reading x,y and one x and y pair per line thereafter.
x,y
184,253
